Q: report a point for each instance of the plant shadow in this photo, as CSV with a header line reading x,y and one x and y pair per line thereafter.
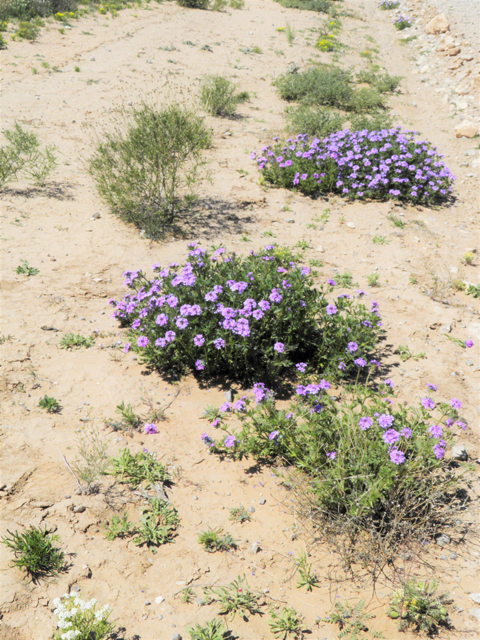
x,y
57,190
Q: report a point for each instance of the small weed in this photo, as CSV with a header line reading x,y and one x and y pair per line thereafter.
x,y
239,514
76,341
468,259
158,524
314,121
194,4
4,338
237,4
288,623
413,280
215,540
93,462
269,234
3,43
417,605
35,552
26,270
257,50
400,23
118,528
49,404
234,598
303,244
76,68
188,595
458,285
352,621
27,31
397,222
345,280
381,240
405,353
34,71
313,262
473,290
373,280
45,64
290,33
211,413
307,579
135,469
388,5
130,420
245,238
407,40
213,630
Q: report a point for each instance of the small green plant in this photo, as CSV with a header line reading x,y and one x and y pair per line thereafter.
x,y
3,43
303,245
218,95
118,528
413,280
239,514
27,31
213,630
381,240
211,412
397,222
269,234
313,262
388,5
290,33
76,69
307,579
34,71
416,604
187,595
157,524
215,540
287,623
194,4
352,621
93,461
400,23
472,290
135,469
142,166
237,4
405,353
35,552
129,419
322,6
81,620
49,404
76,341
468,259
45,64
256,49
24,154
234,598
373,280
3,26
26,270
345,280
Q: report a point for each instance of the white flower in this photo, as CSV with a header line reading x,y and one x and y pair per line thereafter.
x,y
56,602
91,603
70,635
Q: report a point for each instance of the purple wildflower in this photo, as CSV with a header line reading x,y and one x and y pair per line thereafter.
x,y
230,441
331,310
391,436
279,347
301,366
150,428
428,403
365,423
199,340
352,347
385,421
273,435
456,404
127,346
170,336
397,457
142,341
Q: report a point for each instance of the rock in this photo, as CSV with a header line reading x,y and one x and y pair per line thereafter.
x,y
466,129
438,24
92,59
290,220
262,500
462,105
443,557
176,636
159,599
147,603
96,216
453,556
442,540
454,51
351,225
320,249
254,549
79,509
75,589
459,452
475,597
293,68
475,613
229,395
252,509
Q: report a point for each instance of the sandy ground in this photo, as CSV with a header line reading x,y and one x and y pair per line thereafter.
x,y
81,261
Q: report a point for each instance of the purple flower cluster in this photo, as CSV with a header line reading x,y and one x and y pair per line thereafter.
x,y
386,164
401,23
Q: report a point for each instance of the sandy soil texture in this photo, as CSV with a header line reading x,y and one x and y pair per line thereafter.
x,y
155,51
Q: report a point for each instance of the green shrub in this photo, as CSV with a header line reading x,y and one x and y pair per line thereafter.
x,y
215,540
134,469
28,9
384,83
3,26
322,6
416,604
327,85
35,552
234,598
352,620
218,95
51,405
27,31
288,623
3,45
24,154
370,121
317,122
26,270
194,4
152,154
247,318
366,99
369,474
75,341
81,620
237,4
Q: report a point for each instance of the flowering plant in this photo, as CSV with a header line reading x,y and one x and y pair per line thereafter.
x,y
80,620
260,315
400,23
387,5
386,164
360,451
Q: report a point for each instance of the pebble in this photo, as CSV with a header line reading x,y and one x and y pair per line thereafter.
x,y
160,617
159,599
254,549
252,509
79,509
68,496
459,452
262,500
475,597
289,220
453,556
351,225
176,636
96,216
195,497
443,557
75,589
229,395
443,540
147,603
469,363
475,613
320,249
